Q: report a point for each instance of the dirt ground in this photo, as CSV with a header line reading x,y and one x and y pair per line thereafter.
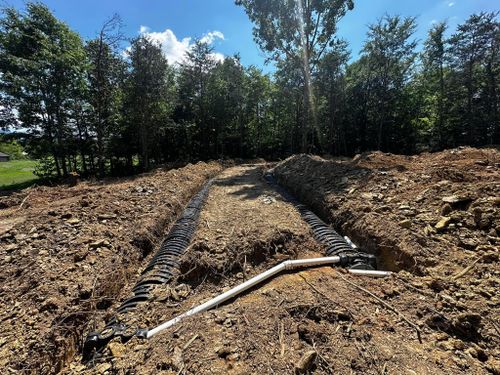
x,y
66,253
433,219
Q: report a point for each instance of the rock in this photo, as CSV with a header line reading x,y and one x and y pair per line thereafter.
x,y
117,349
452,344
11,247
456,200
405,224
477,353
428,230
486,221
233,357
306,362
183,290
493,367
381,209
468,242
100,243
367,196
73,221
267,199
106,216
443,223
103,368
174,295
80,255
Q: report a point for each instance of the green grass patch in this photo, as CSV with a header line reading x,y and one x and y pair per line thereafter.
x,y
17,174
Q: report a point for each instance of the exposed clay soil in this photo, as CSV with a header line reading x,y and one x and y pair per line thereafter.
x,y
66,253
432,218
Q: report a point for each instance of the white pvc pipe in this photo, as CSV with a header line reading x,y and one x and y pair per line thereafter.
x,y
373,273
286,265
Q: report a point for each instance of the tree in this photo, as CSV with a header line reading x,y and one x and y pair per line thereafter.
x,y
330,85
7,117
105,77
474,58
434,60
148,105
195,74
390,56
300,30
258,89
43,68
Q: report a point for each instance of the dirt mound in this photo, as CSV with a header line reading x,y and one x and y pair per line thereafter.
x,y
434,215
413,211
67,252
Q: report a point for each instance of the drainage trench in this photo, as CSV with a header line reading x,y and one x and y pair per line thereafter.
x,y
336,245
160,269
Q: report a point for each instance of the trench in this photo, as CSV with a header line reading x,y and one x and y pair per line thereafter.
x,y
165,264
160,270
71,326
388,253
66,338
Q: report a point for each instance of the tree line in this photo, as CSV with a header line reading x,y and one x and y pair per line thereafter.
x,y
96,110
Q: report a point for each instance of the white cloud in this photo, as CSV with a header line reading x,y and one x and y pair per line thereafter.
x,y
175,49
211,36
451,3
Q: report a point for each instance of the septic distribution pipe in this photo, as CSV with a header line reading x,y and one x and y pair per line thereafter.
x,y
286,265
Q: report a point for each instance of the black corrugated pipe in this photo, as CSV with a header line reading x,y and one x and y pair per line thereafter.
x,y
350,257
160,270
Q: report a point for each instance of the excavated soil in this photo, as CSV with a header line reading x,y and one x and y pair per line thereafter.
x,y
66,253
432,218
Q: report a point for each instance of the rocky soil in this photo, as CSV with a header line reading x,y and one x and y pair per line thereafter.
x,y
433,219
66,253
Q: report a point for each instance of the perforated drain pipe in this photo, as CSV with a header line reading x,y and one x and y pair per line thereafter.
x,y
286,265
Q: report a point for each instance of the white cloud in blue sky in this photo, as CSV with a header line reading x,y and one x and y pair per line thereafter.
x,y
451,3
175,49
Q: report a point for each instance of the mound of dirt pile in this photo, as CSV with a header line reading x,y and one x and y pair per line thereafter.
x,y
436,216
419,213
67,252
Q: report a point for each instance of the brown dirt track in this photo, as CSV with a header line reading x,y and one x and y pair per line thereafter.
x,y
432,218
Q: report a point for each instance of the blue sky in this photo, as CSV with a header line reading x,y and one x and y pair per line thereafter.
x,y
173,22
